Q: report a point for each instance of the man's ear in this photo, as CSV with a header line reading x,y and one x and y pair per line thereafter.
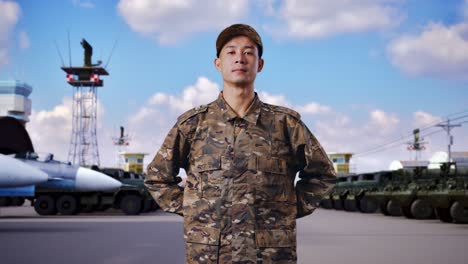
x,y
217,63
260,65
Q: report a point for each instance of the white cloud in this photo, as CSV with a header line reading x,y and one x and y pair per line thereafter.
x,y
150,124
202,92
24,42
51,130
381,122
9,15
273,99
321,18
314,108
170,21
437,51
267,6
422,119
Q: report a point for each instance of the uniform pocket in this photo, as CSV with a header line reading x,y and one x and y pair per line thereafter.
x,y
206,163
203,235
209,172
275,238
202,244
276,246
272,165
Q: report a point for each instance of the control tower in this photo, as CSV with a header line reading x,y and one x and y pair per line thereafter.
x,y
85,80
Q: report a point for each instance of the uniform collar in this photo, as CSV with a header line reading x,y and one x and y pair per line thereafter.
x,y
228,114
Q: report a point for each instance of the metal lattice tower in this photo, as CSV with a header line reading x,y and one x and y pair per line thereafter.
x,y
85,80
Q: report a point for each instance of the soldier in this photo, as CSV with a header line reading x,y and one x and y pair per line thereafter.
x,y
241,157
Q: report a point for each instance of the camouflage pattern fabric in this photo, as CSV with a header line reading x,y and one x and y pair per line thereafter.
x,y
239,203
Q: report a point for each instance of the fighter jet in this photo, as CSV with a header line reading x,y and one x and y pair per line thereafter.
x,y
66,176
15,173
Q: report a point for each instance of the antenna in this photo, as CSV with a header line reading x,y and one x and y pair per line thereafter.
x,y
112,51
417,144
60,54
69,49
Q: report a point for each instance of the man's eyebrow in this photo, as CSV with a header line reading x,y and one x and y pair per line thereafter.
x,y
245,47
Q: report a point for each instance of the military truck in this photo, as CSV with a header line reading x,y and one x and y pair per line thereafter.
x,y
132,198
334,199
351,191
449,195
367,183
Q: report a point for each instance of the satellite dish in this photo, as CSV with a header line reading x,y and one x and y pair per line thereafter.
x,y
395,165
438,158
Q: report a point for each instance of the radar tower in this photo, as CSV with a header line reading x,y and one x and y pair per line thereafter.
x,y
85,80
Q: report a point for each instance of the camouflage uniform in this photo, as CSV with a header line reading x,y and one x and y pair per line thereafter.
x,y
239,202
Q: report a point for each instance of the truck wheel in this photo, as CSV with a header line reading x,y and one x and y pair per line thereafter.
x,y
326,204
393,208
338,204
67,205
459,213
422,209
383,209
17,201
146,205
406,211
367,205
131,204
444,215
5,201
350,205
45,205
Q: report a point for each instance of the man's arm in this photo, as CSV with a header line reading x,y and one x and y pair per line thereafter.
x,y
316,173
162,180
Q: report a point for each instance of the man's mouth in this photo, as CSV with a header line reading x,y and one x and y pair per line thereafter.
x,y
239,70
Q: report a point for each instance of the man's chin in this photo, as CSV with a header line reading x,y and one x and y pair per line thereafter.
x,y
241,82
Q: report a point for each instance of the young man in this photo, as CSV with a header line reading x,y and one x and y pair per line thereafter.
x,y
241,157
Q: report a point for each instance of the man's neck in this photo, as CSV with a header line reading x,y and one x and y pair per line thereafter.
x,y
239,98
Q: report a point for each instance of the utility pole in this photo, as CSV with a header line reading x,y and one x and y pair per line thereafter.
x,y
448,127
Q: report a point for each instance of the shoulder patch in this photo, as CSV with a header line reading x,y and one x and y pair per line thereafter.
x,y
192,112
285,110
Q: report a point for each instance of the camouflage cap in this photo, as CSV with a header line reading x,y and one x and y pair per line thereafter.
x,y
238,30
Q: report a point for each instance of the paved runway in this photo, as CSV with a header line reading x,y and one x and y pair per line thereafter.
x,y
326,237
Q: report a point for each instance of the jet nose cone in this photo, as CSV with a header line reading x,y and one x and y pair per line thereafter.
x,y
90,180
15,173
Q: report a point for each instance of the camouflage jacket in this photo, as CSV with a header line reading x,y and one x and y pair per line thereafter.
x,y
239,202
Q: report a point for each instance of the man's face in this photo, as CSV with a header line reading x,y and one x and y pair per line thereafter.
x,y
238,61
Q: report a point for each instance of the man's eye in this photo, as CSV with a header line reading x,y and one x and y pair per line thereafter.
x,y
231,52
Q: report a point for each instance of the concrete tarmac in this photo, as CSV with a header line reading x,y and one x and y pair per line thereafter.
x,y
326,237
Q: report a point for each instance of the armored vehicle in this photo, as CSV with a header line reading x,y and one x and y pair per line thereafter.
x,y
351,192
449,195
133,197
365,184
334,199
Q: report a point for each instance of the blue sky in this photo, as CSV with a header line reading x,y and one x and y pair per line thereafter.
x,y
360,72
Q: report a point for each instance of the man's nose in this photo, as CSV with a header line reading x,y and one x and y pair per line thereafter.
x,y
240,58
